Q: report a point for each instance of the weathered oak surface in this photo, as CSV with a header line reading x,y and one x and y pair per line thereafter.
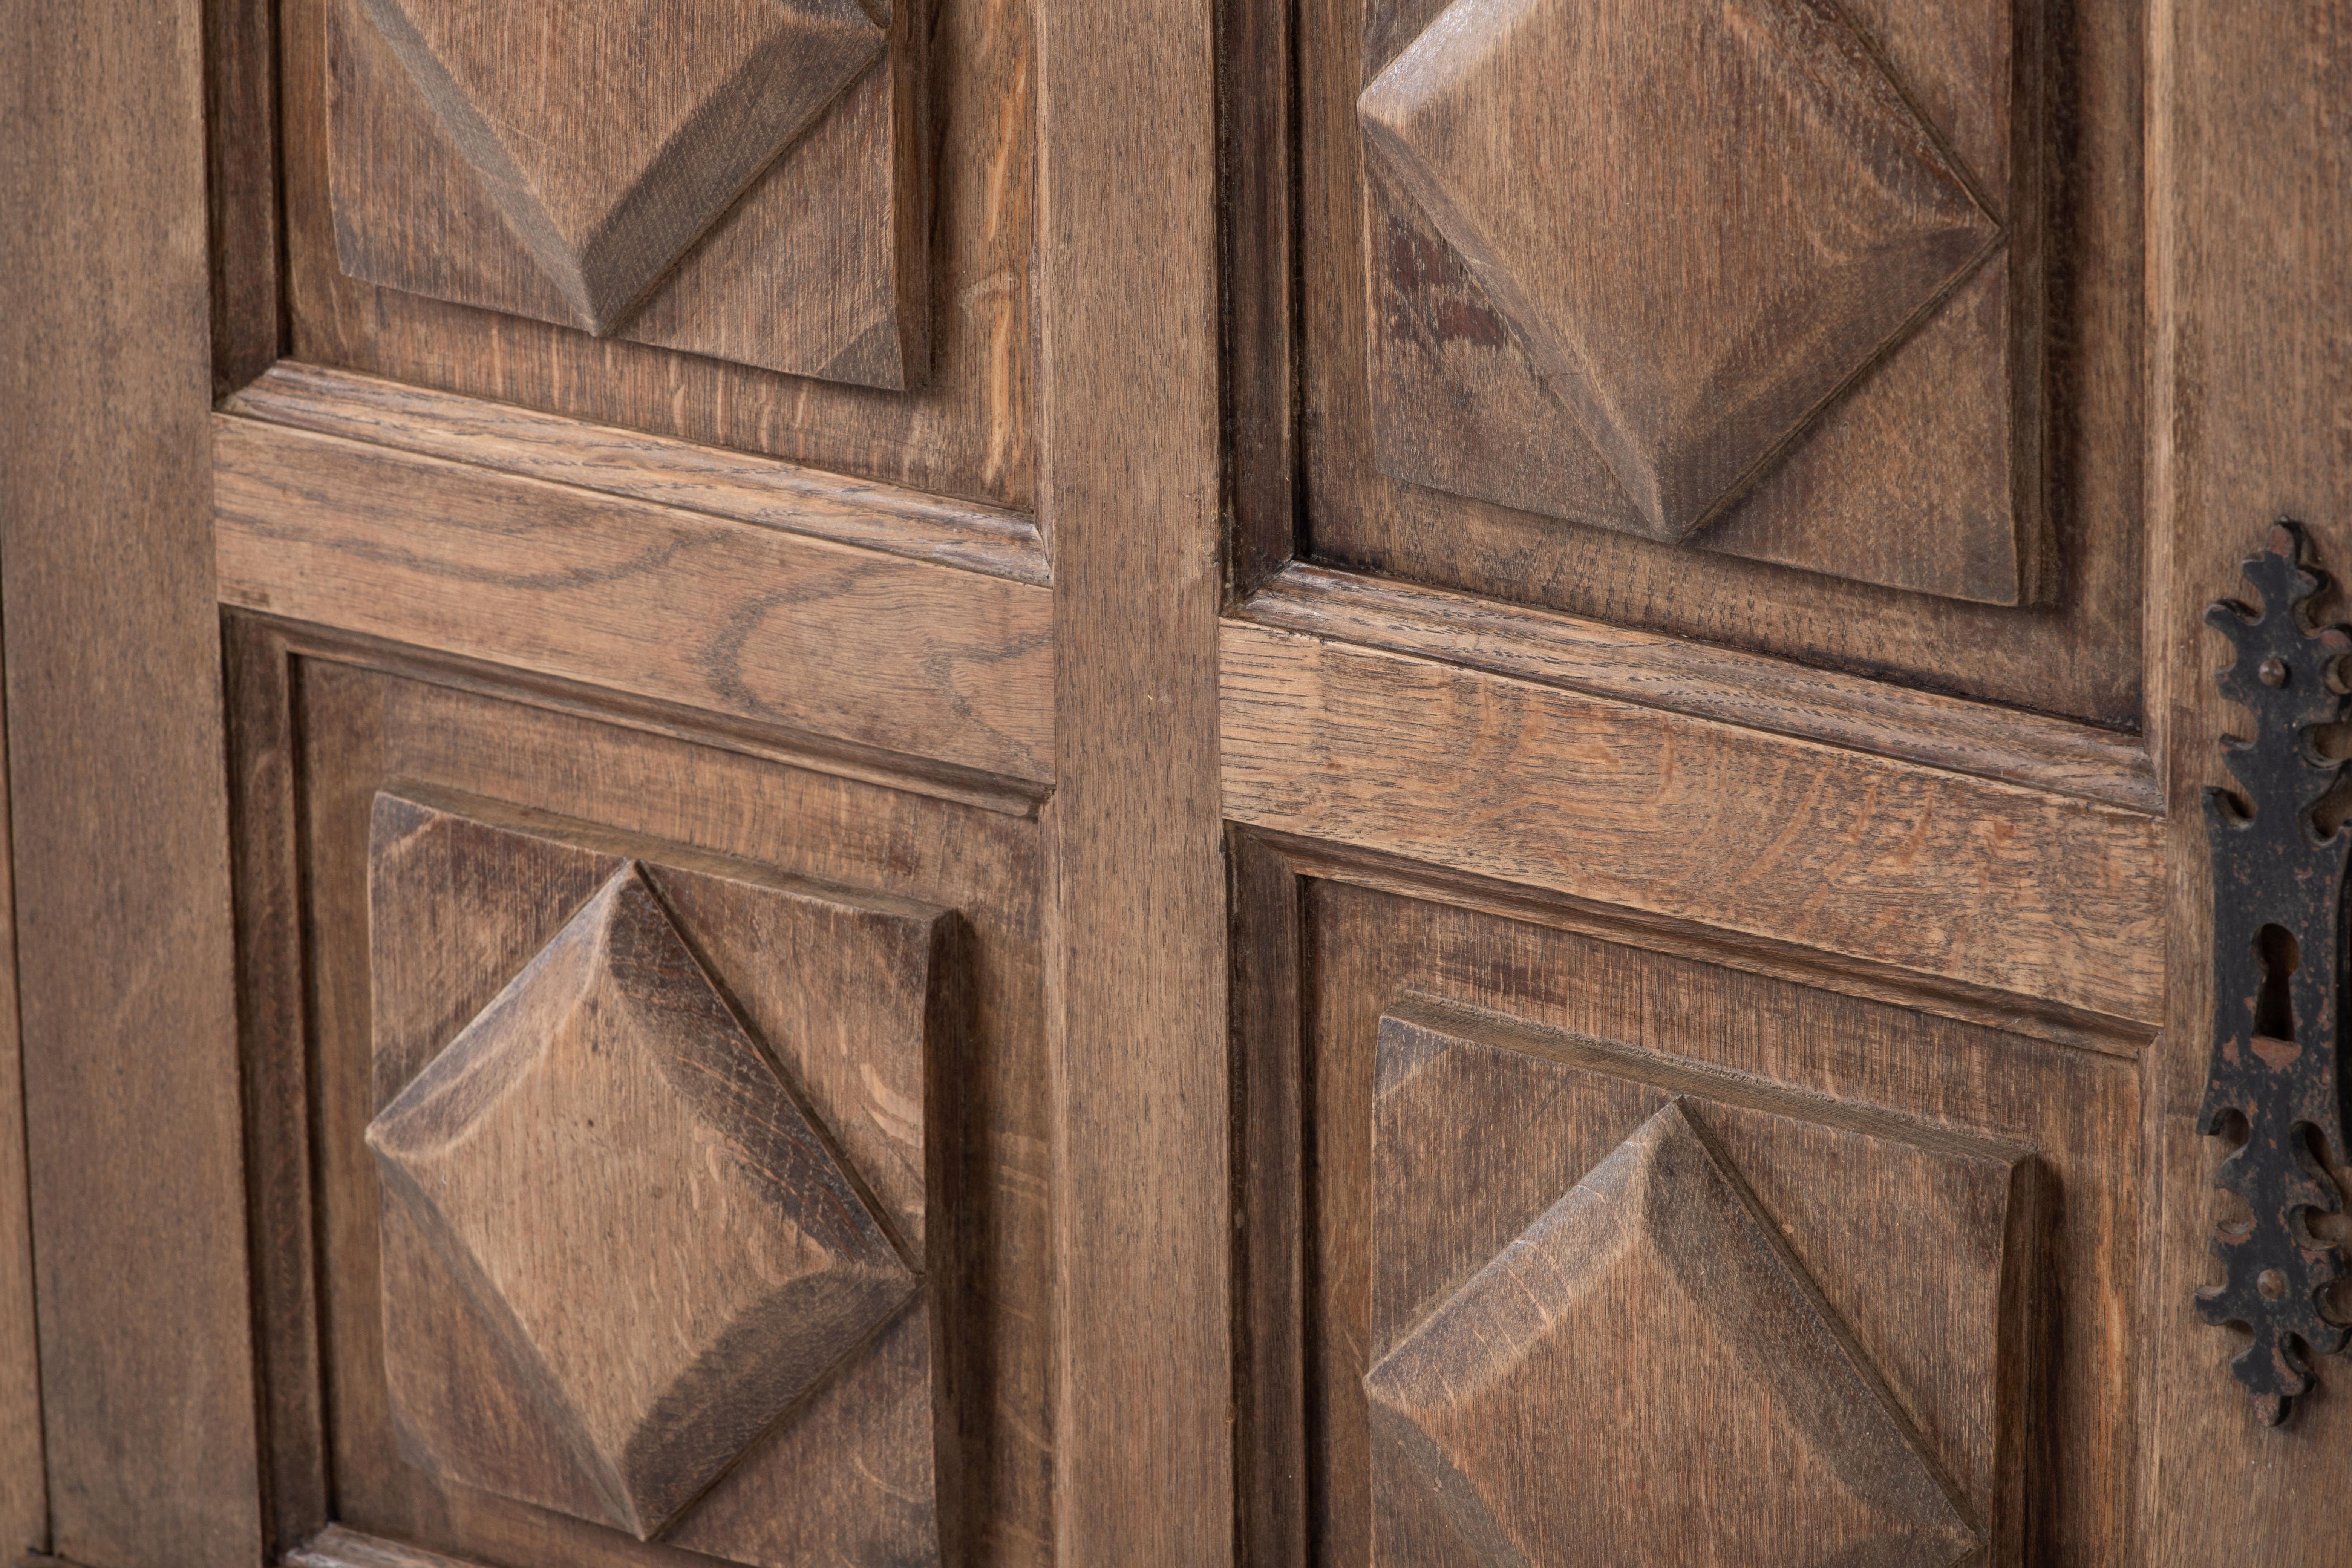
x,y
2034,895
124,958
728,176
741,620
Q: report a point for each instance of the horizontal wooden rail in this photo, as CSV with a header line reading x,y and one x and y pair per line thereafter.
x,y
740,485
1750,689
733,618
2001,889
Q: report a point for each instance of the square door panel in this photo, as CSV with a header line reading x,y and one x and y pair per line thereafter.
x,y
652,1135
1744,274
652,1214
1610,1254
1594,1281
737,178
1770,322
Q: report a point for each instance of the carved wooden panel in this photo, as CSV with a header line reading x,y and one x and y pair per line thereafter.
x,y
1618,1313
738,178
1747,274
653,1231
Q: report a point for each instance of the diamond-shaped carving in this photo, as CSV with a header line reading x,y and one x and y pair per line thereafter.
x,y
611,133
1647,1374
649,1232
1701,219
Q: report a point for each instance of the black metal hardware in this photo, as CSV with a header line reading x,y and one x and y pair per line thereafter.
x,y
2278,959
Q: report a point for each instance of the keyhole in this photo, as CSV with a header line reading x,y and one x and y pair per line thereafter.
x,y
2274,1008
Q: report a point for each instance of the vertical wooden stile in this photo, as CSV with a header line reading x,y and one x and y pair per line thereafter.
x,y
2249,182
1135,966
118,815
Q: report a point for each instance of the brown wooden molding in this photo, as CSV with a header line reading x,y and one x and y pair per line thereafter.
x,y
1869,979
1754,690
1729,827
338,1547
737,620
673,473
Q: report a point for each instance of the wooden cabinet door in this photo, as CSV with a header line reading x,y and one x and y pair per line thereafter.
x,y
1341,781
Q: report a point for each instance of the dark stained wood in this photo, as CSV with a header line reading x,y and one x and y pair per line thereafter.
x,y
119,822
751,861
647,468
1258,134
743,620
1881,1096
1128,420
964,431
1498,1185
1269,1247
2074,653
24,1481
241,169
2252,347
273,1021
1571,206
1741,689
1729,827
738,179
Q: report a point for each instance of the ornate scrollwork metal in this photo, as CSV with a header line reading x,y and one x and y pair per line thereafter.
x,y
2278,959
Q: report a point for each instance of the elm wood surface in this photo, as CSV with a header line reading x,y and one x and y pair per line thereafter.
x,y
1129,500
1682,1025
1680,244
646,467
2253,344
628,1233
124,968
740,619
327,734
2003,889
1700,1288
1713,683
729,178
964,431
2074,653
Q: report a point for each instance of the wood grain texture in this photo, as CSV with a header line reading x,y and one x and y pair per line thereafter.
x,y
647,468
1128,416
786,885
241,167
2002,887
1578,166
119,819
2074,652
727,177
2253,350
24,1480
743,620
1881,1095
606,1165
965,431
1741,689
1270,1513
1701,1288
258,691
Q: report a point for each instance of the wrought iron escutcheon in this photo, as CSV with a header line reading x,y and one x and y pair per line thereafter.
x,y
2278,900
